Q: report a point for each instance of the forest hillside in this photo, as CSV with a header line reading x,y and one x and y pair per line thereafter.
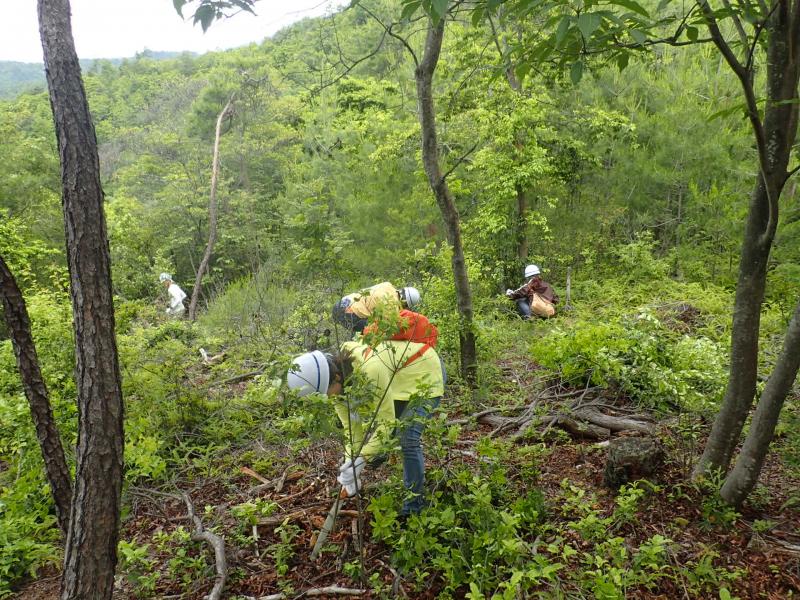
x,y
570,456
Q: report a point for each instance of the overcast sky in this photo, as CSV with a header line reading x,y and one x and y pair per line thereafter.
x,y
120,28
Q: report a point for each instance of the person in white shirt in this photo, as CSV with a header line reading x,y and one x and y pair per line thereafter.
x,y
176,295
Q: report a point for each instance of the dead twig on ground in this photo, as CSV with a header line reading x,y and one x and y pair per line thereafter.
x,y
216,542
331,590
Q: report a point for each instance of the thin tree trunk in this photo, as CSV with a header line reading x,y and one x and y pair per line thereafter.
x,y
91,547
444,198
774,136
55,464
741,388
744,475
522,224
212,215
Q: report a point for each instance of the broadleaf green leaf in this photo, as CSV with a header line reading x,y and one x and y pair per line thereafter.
x,y
632,5
409,9
638,36
588,24
576,72
439,8
563,28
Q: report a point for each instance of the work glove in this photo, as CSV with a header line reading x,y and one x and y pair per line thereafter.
x,y
509,293
350,475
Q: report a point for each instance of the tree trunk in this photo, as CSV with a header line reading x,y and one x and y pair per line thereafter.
x,y
741,388
212,215
522,224
91,548
19,326
744,475
444,198
774,139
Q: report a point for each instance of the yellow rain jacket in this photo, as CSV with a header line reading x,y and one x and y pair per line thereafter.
x,y
365,301
388,378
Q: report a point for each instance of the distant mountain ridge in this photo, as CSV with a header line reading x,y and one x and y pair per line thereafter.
x,y
18,77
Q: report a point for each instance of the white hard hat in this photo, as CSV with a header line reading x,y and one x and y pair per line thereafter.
x,y
531,270
309,373
410,296
165,277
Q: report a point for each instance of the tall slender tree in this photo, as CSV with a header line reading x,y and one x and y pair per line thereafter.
x,y
91,548
212,212
423,74
55,463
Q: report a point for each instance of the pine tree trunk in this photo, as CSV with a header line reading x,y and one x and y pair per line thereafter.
x,y
212,215
55,464
444,198
91,548
743,477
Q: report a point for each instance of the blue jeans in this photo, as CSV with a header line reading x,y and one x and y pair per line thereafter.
x,y
524,308
413,460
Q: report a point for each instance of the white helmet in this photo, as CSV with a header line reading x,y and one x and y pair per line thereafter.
x,y
410,295
165,277
309,373
531,270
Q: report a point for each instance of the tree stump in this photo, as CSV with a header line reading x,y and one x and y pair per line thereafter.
x,y
632,458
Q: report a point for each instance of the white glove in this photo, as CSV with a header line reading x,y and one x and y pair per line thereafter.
x,y
167,311
350,475
509,293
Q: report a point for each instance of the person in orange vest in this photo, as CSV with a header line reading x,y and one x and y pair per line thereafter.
x,y
354,310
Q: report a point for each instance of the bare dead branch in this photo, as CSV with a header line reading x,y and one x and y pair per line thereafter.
x,y
461,159
216,542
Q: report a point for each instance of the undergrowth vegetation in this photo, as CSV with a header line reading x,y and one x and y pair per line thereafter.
x,y
489,530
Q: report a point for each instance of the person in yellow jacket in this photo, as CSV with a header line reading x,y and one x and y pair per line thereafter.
x,y
354,310
370,388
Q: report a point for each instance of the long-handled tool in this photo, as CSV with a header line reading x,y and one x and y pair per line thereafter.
x,y
330,523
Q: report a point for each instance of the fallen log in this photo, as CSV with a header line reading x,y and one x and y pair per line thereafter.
x,y
582,429
613,423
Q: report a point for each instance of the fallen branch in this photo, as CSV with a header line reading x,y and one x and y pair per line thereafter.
x,y
236,379
298,514
613,423
473,417
278,483
253,474
217,543
332,590
300,493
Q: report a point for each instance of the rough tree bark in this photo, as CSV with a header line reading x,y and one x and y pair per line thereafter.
x,y
744,475
775,135
19,325
212,214
444,198
91,548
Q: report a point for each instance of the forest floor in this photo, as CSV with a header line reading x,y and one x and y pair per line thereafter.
x,y
270,555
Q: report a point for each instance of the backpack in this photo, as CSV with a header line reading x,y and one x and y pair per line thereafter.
x,y
415,327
